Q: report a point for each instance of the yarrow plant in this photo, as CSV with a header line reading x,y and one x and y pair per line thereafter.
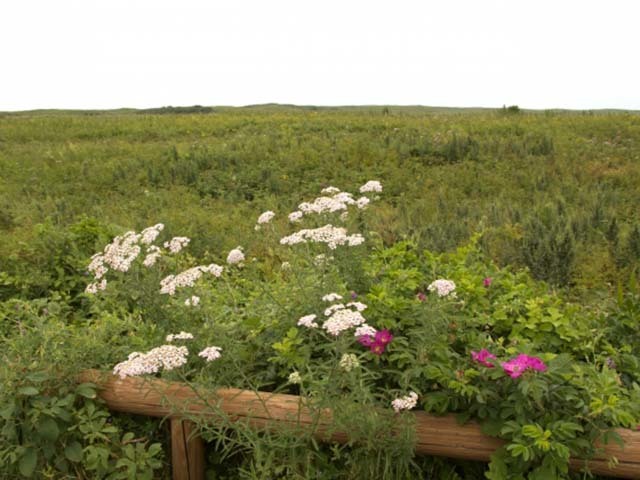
x,y
167,357
443,288
211,353
405,403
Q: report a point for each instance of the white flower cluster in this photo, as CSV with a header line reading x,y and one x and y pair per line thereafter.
x,y
349,361
359,306
336,306
266,217
211,353
295,217
188,278
153,253
405,403
179,336
332,236
371,186
96,286
192,301
330,190
295,378
176,244
341,320
331,297
308,321
118,255
166,356
362,202
149,234
321,260
443,287
365,330
235,256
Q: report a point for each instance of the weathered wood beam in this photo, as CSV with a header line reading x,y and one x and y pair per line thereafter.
x,y
441,436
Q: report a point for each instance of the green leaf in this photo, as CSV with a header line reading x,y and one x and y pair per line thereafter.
x,y
87,390
48,429
27,391
73,452
28,462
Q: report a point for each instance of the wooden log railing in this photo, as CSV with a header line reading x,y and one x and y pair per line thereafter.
x,y
441,436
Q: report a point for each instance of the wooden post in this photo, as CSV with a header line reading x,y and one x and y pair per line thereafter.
x,y
187,451
441,436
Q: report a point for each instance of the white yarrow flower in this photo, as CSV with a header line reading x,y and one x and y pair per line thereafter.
x,y
348,362
179,336
405,403
295,378
308,321
331,297
443,287
371,186
192,301
210,353
266,217
235,256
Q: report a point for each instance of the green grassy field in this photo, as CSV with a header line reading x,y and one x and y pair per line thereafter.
x,y
554,191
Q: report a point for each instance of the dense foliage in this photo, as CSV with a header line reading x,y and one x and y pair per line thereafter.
x,y
531,217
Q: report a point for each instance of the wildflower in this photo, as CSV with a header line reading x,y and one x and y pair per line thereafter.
x,y
188,278
377,348
367,341
295,378
383,337
296,216
443,287
96,286
153,253
266,217
235,256
359,306
329,310
405,403
421,297
365,330
611,364
371,186
344,216
332,236
285,266
354,295
331,297
342,320
167,357
330,190
149,234
487,282
362,202
308,321
483,356
179,336
210,353
176,244
348,362
517,366
193,301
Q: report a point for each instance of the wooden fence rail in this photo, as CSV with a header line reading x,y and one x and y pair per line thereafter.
x,y
441,436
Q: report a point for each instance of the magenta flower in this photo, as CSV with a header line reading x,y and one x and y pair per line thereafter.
x,y
421,296
365,340
487,282
483,356
383,337
377,348
354,295
517,366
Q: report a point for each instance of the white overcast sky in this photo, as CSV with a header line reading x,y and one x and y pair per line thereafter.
x,y
139,53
